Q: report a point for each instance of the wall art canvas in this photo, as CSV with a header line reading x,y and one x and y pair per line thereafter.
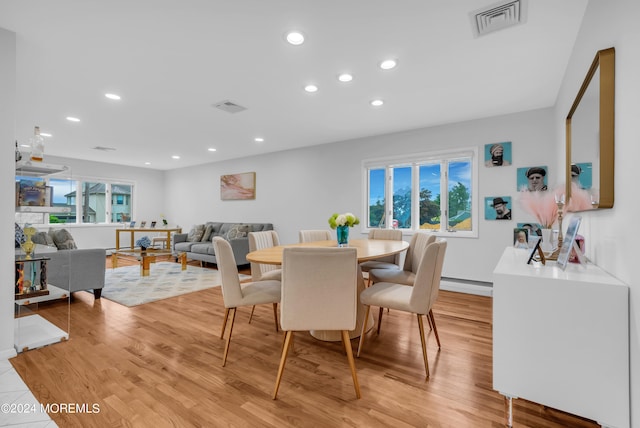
x,y
532,179
497,208
582,174
498,154
238,186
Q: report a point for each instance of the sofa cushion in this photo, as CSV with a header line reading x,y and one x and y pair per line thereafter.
x,y
202,248
208,231
43,238
196,232
238,231
62,239
20,238
183,246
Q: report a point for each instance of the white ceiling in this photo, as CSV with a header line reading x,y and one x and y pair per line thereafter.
x,y
171,60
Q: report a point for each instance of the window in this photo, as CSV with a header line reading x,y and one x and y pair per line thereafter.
x,y
433,191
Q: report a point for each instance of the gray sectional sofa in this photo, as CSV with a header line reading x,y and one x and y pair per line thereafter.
x,y
197,244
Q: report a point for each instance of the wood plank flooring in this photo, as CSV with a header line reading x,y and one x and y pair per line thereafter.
x,y
159,365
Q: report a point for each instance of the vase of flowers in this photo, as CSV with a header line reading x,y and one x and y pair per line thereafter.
x,y
143,243
341,223
543,206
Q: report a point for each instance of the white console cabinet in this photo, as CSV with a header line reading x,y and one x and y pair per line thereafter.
x,y
561,338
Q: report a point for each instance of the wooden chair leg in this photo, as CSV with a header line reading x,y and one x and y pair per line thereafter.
x,y
253,308
432,321
352,363
224,322
283,360
364,328
380,319
424,344
275,315
226,346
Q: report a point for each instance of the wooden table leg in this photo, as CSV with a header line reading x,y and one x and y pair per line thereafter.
x,y
146,264
183,260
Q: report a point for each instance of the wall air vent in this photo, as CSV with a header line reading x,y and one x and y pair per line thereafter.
x,y
229,106
498,16
104,149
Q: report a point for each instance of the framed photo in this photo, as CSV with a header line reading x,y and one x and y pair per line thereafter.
x,y
533,178
143,224
582,174
569,242
498,154
153,224
238,186
497,208
132,224
536,249
521,238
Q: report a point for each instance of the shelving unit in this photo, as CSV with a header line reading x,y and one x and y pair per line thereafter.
x,y
32,329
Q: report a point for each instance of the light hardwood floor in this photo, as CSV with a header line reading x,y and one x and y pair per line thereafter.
x,y
159,365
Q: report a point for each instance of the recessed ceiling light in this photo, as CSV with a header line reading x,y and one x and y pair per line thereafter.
x,y
211,149
388,64
345,77
73,119
258,139
311,88
175,157
295,38
377,103
45,134
147,163
112,96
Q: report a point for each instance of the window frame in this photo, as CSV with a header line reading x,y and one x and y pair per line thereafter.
x,y
415,160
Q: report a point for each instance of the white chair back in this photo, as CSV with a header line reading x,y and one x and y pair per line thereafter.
x,y
417,245
391,235
318,289
427,284
314,235
231,290
258,241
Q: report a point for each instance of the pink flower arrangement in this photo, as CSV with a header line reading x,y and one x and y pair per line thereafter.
x,y
542,205
580,199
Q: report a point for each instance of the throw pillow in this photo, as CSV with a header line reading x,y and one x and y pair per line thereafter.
x,y
20,238
238,231
196,232
43,238
63,240
207,233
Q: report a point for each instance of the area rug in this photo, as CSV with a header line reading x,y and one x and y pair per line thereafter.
x,y
124,285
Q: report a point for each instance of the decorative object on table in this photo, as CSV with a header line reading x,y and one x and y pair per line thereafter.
x,y
37,145
28,246
32,193
18,154
164,220
532,179
143,224
521,238
144,243
543,206
132,224
498,154
341,223
570,243
238,186
153,224
497,208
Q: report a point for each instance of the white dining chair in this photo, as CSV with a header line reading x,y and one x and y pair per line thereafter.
x,y
417,298
318,293
235,294
314,235
263,271
388,262
406,275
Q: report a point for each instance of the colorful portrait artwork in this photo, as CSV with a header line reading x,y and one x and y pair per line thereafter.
x,y
521,238
497,208
582,174
238,186
532,179
533,229
497,154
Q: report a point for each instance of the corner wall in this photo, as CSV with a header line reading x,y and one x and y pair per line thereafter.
x,y
611,233
300,189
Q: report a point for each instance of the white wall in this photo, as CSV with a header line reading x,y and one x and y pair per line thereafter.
x,y
7,171
610,233
300,189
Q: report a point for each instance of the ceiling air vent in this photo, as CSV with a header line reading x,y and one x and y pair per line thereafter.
x,y
104,149
229,106
498,16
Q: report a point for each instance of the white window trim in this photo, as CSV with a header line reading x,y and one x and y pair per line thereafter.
x,y
420,158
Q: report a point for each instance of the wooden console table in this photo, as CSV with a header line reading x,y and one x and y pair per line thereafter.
x,y
132,232
561,338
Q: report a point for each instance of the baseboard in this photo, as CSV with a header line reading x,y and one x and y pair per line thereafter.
x,y
5,354
469,287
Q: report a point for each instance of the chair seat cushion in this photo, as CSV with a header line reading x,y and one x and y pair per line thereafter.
x,y
272,275
374,264
259,292
388,295
395,276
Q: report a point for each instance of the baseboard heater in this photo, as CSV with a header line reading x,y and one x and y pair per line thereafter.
x,y
480,288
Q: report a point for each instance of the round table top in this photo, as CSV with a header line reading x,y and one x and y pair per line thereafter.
x,y
367,249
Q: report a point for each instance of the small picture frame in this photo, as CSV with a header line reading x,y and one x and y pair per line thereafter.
x,y
536,249
521,238
143,224
569,243
153,224
497,154
132,224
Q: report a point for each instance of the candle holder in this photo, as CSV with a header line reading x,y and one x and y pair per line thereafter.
x,y
560,203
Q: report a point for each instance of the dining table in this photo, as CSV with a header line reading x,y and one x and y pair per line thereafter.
x,y
366,249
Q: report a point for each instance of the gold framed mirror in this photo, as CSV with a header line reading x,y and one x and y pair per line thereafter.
x,y
590,134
